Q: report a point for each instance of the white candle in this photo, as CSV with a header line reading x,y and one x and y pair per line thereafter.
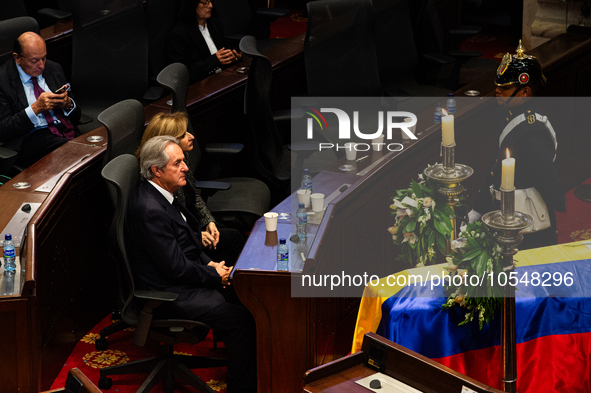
x,y
447,130
508,173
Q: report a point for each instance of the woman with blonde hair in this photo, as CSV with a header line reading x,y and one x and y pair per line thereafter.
x,y
223,244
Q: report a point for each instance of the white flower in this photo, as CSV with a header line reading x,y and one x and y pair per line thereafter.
x,y
459,243
410,237
428,201
420,264
409,212
393,230
401,213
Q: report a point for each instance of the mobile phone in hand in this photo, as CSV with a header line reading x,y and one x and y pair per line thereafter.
x,y
62,89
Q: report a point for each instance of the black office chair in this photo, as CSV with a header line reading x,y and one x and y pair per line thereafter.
x,y
125,126
238,21
161,16
10,30
272,159
51,16
449,44
12,9
398,61
122,176
109,55
124,122
235,201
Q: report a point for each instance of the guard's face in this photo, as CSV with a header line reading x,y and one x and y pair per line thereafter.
x,y
173,176
32,60
503,93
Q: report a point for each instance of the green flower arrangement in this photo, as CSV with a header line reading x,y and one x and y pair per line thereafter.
x,y
421,223
475,254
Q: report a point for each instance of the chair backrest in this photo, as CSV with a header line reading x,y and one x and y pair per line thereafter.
x,y
10,30
266,146
109,50
340,46
161,16
125,126
235,15
122,174
175,78
12,9
397,57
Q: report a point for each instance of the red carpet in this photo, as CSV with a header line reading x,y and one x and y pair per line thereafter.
x,y
575,224
289,26
121,350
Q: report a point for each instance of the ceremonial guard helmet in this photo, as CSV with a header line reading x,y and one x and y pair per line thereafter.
x,y
519,69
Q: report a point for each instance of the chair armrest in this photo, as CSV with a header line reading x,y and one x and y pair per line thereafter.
x,y
303,146
156,295
224,148
438,58
212,185
464,54
6,153
271,14
53,15
152,300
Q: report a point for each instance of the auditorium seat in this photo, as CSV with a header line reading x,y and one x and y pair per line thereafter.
x,y
109,55
272,159
122,176
235,201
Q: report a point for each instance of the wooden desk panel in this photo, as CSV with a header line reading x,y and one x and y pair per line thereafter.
x,y
68,281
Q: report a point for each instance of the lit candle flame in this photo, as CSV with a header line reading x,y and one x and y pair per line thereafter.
x,y
508,153
444,112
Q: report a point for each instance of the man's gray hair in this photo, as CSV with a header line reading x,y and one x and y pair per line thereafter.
x,y
153,154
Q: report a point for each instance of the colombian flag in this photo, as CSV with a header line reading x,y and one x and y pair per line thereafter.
x,y
553,322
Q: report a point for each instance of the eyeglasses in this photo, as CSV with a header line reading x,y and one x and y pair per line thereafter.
x,y
206,3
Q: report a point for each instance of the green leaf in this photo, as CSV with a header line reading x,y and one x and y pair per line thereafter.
x,y
412,224
479,263
431,239
441,245
416,188
471,254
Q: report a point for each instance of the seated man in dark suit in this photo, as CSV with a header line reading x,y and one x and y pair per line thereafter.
x,y
167,255
33,120
198,42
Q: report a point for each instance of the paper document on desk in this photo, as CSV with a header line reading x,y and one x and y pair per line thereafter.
x,y
48,185
389,384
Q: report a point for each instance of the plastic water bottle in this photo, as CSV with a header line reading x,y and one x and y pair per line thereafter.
x,y
451,104
282,256
302,221
9,256
437,114
307,181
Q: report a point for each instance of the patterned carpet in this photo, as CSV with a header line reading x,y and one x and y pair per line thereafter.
x,y
121,350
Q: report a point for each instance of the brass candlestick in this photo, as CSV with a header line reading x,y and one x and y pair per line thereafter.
x,y
507,224
448,177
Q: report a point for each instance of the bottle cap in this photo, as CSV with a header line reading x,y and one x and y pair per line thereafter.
x,y
281,241
302,206
8,236
450,95
306,170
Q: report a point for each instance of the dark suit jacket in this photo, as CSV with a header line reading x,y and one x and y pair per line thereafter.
x,y
14,122
186,45
166,255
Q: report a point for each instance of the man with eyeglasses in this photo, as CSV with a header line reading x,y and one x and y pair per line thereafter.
x,y
37,113
198,42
